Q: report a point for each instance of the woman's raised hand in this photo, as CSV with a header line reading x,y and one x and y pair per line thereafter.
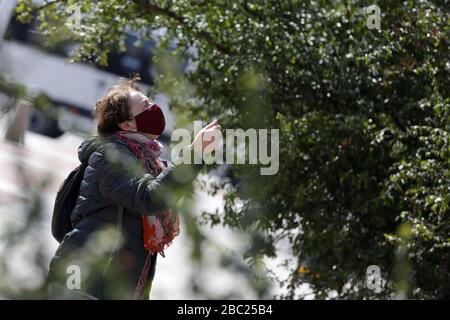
x,y
205,137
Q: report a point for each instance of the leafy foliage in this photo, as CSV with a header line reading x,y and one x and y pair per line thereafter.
x,y
363,117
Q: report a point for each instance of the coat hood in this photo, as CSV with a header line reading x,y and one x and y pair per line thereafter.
x,y
95,143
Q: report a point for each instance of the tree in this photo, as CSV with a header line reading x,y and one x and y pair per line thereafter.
x,y
363,115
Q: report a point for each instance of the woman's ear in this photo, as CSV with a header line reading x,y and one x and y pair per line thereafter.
x,y
126,126
122,126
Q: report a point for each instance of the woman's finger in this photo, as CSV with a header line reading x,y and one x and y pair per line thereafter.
x,y
211,124
216,127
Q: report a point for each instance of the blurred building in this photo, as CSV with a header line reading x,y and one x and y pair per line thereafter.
x,y
70,89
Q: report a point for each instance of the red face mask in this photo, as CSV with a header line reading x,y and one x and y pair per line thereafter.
x,y
151,120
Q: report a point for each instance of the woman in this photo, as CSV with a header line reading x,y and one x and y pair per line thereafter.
x,y
127,185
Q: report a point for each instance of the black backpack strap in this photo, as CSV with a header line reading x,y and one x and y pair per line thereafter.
x,y
120,218
116,242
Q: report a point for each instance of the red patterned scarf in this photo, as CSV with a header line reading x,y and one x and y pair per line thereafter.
x,y
159,230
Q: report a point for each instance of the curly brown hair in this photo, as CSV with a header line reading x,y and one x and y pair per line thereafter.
x,y
113,108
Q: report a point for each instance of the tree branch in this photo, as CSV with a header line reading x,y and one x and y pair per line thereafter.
x,y
47,4
153,8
